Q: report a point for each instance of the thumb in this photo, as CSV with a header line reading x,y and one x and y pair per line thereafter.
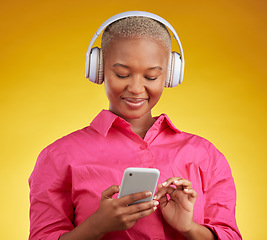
x,y
109,192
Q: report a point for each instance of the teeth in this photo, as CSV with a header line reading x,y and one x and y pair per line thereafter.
x,y
135,100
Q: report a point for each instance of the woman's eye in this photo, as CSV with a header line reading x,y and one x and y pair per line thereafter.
x,y
151,78
122,76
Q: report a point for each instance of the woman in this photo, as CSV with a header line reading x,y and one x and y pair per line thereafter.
x,y
76,179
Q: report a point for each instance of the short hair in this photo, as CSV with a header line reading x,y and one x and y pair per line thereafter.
x,y
136,27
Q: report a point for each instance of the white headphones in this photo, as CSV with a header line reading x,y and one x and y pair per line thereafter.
x,y
94,59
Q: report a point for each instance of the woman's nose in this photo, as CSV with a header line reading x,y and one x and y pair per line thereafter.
x,y
136,85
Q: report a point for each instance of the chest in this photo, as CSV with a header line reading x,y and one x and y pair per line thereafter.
x,y
104,167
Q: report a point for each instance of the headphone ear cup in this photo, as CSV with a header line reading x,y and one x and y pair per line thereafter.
x,y
100,67
169,71
96,73
174,70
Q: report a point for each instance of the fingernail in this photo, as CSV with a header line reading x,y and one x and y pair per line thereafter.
x,y
155,197
164,184
186,189
156,203
155,208
148,194
176,181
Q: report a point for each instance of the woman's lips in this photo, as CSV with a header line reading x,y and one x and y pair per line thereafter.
x,y
134,102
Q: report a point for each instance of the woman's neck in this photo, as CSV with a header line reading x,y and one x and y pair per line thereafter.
x,y
140,126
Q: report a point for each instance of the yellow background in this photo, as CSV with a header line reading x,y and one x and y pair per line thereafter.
x,y
44,94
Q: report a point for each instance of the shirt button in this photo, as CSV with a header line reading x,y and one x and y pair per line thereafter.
x,y
143,146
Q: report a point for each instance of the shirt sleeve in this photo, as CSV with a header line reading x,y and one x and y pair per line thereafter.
x,y
51,210
220,200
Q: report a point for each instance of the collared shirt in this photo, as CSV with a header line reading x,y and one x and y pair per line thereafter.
x,y
70,175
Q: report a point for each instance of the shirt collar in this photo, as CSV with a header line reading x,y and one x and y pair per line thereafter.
x,y
163,121
105,119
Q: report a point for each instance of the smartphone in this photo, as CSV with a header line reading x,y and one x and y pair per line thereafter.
x,y
139,180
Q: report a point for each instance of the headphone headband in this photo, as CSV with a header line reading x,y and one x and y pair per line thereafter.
x,y
131,14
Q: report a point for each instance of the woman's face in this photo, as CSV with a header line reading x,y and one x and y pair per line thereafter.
x,y
134,75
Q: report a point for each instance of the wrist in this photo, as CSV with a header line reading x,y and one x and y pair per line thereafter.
x,y
197,231
95,223
90,229
190,230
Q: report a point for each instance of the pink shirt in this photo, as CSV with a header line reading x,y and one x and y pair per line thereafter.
x,y
70,175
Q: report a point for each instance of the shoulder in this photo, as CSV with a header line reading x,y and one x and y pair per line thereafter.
x,y
184,138
198,142
190,145
193,142
75,138
199,151
67,148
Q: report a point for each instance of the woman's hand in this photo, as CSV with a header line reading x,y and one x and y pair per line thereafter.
x,y
177,209
112,215
116,214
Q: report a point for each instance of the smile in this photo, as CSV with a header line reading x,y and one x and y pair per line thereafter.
x,y
134,102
